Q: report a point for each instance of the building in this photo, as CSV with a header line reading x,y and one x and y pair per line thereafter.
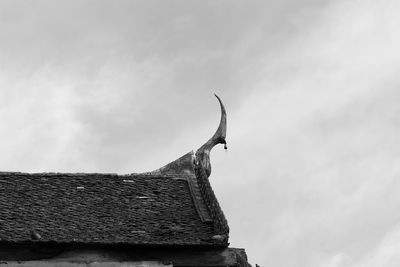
x,y
167,217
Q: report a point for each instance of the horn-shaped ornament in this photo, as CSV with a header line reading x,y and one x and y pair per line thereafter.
x,y
203,153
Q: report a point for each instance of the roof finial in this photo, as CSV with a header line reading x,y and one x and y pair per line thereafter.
x,y
203,153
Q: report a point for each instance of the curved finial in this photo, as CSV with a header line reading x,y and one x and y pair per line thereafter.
x,y
203,153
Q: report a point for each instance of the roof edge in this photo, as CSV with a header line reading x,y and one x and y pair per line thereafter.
x,y
221,227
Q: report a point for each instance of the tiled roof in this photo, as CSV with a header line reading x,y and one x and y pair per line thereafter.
x,y
158,208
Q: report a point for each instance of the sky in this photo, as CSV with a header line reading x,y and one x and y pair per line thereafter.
x,y
311,176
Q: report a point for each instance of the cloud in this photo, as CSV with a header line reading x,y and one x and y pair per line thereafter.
x,y
311,90
320,130
386,253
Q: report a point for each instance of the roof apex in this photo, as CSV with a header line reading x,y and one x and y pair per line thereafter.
x,y
203,153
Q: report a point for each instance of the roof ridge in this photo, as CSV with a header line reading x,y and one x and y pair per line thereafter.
x,y
169,175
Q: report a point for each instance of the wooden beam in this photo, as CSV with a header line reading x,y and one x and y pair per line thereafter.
x,y
175,256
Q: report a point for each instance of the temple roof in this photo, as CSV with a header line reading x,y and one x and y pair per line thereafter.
x,y
136,209
174,205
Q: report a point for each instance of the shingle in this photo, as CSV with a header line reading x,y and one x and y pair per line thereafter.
x,y
138,209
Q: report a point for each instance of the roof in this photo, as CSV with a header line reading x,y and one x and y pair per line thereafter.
x,y
174,205
170,206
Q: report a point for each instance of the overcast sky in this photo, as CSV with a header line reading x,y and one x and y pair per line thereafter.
x,y
312,172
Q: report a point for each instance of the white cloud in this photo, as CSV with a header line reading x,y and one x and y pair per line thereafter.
x,y
321,132
311,90
385,254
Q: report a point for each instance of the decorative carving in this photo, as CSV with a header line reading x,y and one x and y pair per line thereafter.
x,y
181,166
203,153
